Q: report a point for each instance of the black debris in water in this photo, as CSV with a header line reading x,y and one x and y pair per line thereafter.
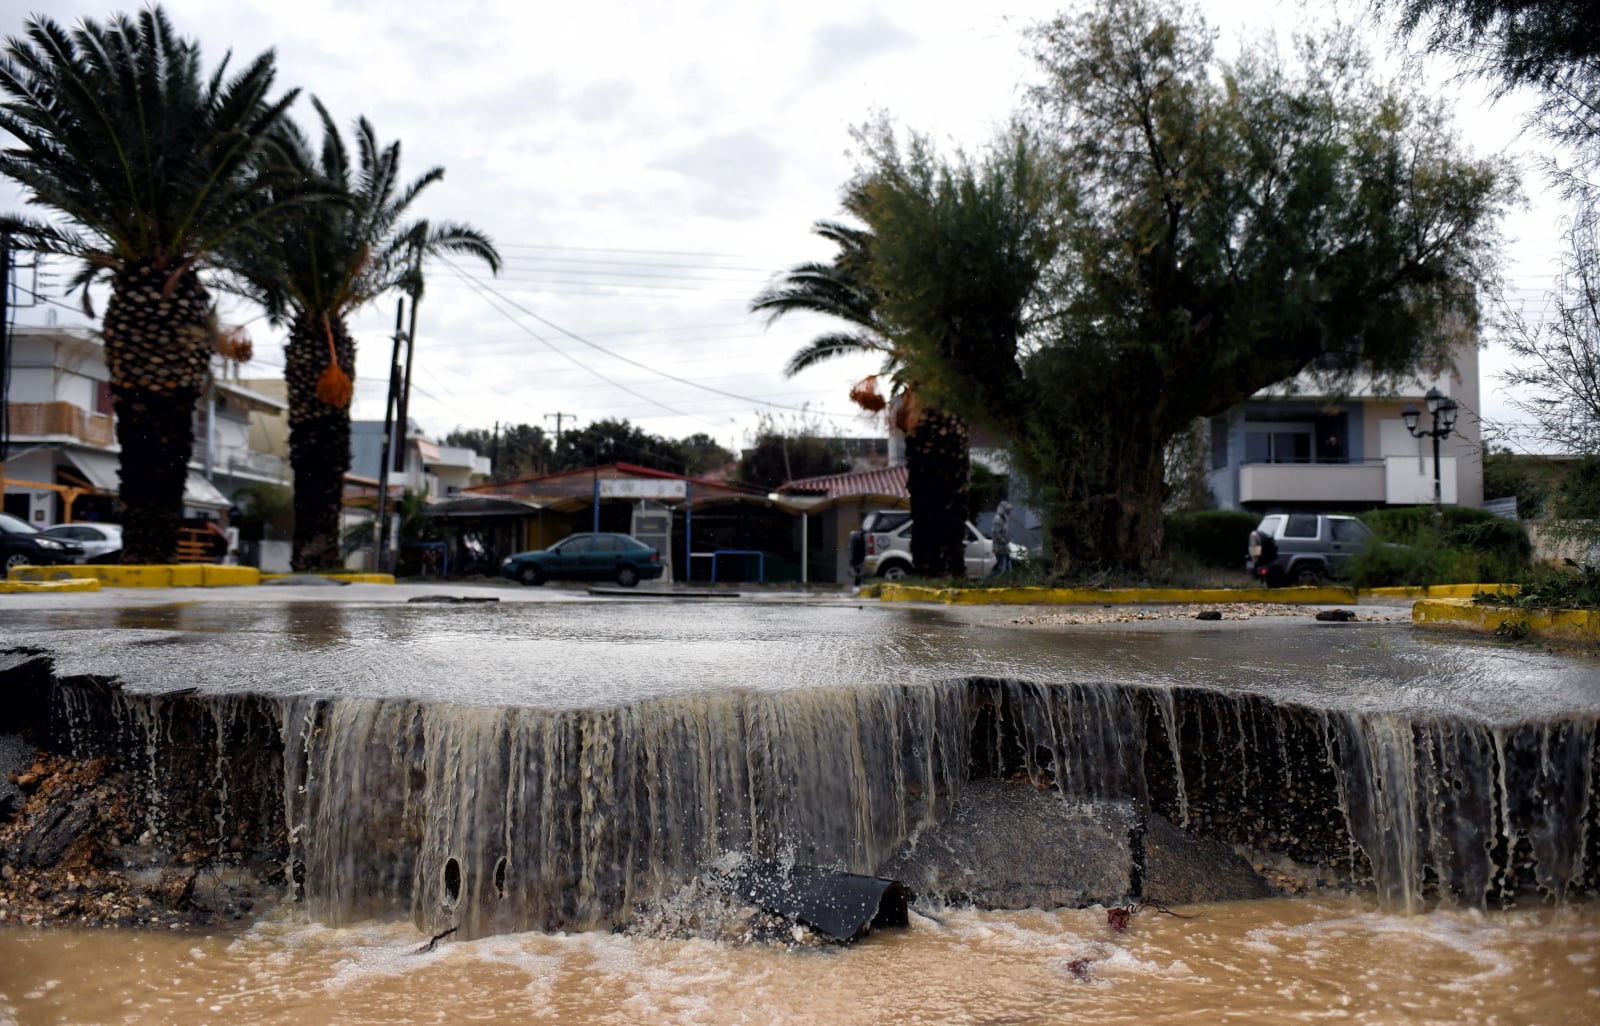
x,y
843,907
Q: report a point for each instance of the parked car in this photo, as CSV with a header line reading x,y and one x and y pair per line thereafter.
x,y
22,544
888,538
587,557
102,543
1303,548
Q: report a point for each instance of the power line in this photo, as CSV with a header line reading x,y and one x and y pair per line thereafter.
x,y
618,356
486,292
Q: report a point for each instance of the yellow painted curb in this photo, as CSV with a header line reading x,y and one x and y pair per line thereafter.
x,y
1439,591
1111,596
1580,625
118,575
10,587
352,577
215,575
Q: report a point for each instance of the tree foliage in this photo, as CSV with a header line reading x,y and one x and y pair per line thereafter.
x,y
515,451
151,166
1552,46
788,450
1172,234
1558,353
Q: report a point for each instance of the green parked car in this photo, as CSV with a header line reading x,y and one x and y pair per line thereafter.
x,y
587,557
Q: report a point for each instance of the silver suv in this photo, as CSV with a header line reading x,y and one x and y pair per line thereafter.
x,y
1303,548
888,545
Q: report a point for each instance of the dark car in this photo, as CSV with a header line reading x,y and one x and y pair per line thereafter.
x,y
587,557
21,544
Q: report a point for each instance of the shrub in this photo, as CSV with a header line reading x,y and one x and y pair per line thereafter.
x,y
1210,537
1472,547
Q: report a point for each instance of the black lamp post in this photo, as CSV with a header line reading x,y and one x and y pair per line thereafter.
x,y
1443,410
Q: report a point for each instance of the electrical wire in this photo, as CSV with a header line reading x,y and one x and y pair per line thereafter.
x,y
487,290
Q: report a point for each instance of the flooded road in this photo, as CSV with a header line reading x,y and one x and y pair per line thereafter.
x,y
1300,961
592,654
572,661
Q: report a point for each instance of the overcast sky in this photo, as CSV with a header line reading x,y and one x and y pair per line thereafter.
x,y
646,168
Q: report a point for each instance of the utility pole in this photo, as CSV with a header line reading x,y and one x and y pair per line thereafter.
x,y
558,418
382,527
405,388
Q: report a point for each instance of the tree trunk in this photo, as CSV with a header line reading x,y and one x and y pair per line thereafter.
x,y
936,477
158,352
1110,516
319,440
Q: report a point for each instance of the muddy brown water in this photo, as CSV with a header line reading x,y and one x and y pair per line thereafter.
x,y
1327,958
1284,961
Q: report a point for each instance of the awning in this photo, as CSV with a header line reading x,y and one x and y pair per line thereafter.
x,y
197,491
98,468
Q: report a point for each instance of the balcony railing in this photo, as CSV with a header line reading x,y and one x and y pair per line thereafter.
x,y
62,418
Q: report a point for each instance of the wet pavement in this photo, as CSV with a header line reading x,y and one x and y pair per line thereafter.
x,y
563,648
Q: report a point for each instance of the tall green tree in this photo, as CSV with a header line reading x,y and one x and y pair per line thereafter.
x,y
937,466
311,273
1216,227
151,165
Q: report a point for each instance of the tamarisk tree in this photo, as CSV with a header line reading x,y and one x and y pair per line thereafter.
x,y
1178,232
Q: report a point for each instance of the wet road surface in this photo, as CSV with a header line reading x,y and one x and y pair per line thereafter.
x,y
563,649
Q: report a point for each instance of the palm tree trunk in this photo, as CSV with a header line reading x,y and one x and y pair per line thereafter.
x,y
936,477
158,350
319,440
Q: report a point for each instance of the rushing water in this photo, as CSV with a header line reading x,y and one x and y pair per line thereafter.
x,y
545,767
1301,961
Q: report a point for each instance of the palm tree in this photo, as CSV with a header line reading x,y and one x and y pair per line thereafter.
x,y
152,166
311,274
937,464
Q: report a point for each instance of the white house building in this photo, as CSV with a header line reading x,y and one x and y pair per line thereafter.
x,y
61,460
1297,445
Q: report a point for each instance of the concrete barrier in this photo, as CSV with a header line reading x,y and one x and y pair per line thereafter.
x,y
338,575
158,575
11,587
1570,625
1438,591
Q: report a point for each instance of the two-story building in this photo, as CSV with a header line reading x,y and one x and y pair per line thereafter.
x,y
62,456
1298,445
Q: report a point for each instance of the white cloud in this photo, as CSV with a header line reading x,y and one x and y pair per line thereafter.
x,y
645,168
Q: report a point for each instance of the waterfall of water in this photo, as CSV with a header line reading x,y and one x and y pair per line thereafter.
x,y
495,819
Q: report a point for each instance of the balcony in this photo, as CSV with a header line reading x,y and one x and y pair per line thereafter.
x,y
1394,480
61,419
235,461
1312,482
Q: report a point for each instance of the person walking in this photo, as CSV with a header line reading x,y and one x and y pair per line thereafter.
x,y
1000,535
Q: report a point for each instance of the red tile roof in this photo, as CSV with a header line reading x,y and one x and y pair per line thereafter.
x,y
883,481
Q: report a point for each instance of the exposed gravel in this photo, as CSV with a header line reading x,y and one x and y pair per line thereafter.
x,y
1229,611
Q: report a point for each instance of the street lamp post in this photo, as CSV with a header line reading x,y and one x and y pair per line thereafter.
x,y
1443,410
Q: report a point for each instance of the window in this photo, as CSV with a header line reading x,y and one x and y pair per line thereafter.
x,y
606,545
1219,442
575,546
1353,531
1301,525
1287,443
